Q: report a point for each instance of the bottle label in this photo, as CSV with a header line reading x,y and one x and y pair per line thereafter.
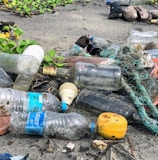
x,y
34,125
35,102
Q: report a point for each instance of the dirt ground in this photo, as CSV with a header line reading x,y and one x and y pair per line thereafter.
x,y
58,31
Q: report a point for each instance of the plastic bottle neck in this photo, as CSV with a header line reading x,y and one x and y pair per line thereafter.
x,y
92,127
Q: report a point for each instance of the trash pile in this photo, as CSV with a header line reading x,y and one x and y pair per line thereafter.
x,y
124,10
116,83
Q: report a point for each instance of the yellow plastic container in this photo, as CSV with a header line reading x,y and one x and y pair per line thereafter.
x,y
111,125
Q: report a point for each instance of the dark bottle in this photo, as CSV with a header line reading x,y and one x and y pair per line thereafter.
x,y
83,41
97,102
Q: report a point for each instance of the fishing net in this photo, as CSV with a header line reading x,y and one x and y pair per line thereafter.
x,y
137,82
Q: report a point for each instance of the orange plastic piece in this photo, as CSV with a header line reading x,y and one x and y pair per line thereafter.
x,y
4,124
155,100
111,125
154,72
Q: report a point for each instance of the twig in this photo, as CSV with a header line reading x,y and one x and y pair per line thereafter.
x,y
131,146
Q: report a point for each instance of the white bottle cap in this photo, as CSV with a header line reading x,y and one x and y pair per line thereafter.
x,y
35,51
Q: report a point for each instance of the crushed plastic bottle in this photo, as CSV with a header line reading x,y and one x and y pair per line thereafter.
x,y
19,64
72,126
23,82
88,75
96,103
15,100
74,50
99,41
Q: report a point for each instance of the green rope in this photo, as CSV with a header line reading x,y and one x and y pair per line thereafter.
x,y
148,122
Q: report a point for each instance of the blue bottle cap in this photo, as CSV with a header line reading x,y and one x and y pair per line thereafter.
x,y
64,106
108,2
92,127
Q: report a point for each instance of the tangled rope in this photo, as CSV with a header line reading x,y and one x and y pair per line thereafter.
x,y
134,77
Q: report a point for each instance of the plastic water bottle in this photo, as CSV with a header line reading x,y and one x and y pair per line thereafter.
x,y
100,41
88,75
71,126
74,50
19,64
132,40
148,34
14,100
23,82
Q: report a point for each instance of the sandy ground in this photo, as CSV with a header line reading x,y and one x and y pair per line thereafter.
x,y
58,31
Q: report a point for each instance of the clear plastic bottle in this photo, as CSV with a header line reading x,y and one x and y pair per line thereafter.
x,y
148,34
23,82
104,43
99,41
88,75
19,64
71,126
14,100
134,41
74,50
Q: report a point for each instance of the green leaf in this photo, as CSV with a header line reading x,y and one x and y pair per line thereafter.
x,y
52,53
11,44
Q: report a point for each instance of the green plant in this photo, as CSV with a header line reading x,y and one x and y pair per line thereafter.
x,y
30,7
51,58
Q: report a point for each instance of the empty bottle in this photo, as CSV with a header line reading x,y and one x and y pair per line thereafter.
x,y
148,34
5,80
70,126
135,41
88,75
15,100
74,50
96,103
23,82
19,64
99,41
